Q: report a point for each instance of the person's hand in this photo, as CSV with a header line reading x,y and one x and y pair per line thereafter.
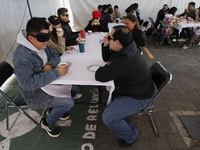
x,y
105,40
95,22
114,20
63,70
177,16
60,33
186,10
47,68
69,48
79,35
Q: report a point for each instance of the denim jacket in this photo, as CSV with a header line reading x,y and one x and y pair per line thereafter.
x,y
28,69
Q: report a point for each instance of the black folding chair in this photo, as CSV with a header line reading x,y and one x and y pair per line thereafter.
x,y
6,70
154,30
144,25
163,26
161,77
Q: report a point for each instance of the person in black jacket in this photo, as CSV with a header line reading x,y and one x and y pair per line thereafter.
x,y
97,24
69,35
105,16
137,34
134,87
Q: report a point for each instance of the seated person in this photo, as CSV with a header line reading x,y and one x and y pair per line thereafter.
x,y
165,7
135,7
170,21
70,36
109,6
100,8
57,41
194,34
116,12
131,10
137,34
160,17
190,12
35,66
110,12
105,16
97,24
134,87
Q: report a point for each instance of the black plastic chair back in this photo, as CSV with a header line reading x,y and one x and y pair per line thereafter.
x,y
6,70
152,21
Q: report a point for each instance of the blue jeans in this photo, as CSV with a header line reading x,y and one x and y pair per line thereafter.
x,y
120,107
62,105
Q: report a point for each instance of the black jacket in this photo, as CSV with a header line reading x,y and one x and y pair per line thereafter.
x,y
103,27
68,34
128,69
139,37
105,16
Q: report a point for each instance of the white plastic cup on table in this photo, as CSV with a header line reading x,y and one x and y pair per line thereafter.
x,y
188,19
81,46
62,64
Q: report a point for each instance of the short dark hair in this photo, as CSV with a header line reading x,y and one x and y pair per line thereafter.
x,y
133,19
165,5
172,10
99,7
110,11
123,34
109,5
105,7
129,9
61,11
192,3
116,7
36,24
136,5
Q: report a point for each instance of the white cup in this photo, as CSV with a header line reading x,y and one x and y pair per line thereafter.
x,y
62,64
89,32
59,29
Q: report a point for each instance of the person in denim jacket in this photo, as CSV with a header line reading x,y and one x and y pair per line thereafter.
x,y
35,66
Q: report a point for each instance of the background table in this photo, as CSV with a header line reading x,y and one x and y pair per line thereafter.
x,y
184,24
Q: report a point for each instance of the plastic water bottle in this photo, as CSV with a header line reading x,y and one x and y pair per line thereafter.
x,y
101,38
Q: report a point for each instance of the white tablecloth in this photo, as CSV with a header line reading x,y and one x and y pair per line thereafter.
x,y
111,25
184,24
78,73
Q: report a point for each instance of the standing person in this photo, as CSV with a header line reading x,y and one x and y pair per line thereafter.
x,y
35,66
134,87
137,34
116,12
165,7
69,35
97,24
190,12
57,41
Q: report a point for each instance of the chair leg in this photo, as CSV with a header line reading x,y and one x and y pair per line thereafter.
x,y
170,42
151,35
153,123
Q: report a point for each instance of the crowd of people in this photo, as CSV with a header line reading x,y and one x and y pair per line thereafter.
x,y
37,57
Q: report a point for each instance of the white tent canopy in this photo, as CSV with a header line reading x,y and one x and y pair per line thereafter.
x,y
15,14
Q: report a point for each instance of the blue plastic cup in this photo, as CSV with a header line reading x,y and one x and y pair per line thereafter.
x,y
82,46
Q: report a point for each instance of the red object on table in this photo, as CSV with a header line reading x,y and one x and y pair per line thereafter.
x,y
83,34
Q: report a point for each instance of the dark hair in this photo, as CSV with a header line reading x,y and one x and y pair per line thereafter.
x,y
136,5
61,11
165,5
105,7
36,24
123,34
52,18
192,3
110,11
116,7
133,19
129,9
99,7
172,10
109,5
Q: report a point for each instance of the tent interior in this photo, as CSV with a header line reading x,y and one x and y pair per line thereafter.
x,y
16,13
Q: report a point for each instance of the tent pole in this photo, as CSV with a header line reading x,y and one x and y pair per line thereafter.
x,y
29,8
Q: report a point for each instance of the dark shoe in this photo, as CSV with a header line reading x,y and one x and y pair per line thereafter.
x,y
64,117
123,143
52,130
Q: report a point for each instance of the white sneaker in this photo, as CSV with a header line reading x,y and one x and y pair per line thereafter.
x,y
185,47
77,96
181,40
174,40
198,44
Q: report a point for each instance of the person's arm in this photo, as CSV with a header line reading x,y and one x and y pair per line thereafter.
x,y
192,14
60,47
103,27
114,69
88,27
